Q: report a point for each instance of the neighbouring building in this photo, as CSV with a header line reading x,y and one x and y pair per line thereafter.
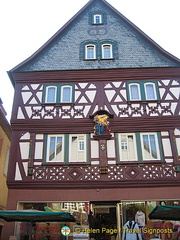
x,y
5,138
96,127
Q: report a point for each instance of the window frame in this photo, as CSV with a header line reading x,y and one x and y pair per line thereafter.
x,y
94,51
103,50
47,91
154,91
78,148
100,17
48,141
120,147
156,145
62,94
59,94
139,91
143,91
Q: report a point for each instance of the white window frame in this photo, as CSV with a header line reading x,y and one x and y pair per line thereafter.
x,y
62,89
94,51
95,18
156,144
139,91
48,147
135,146
78,147
55,97
110,50
154,89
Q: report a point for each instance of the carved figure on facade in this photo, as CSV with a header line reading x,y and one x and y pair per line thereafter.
x,y
101,125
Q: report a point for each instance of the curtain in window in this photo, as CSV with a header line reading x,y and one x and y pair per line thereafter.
x,y
150,94
107,51
66,94
134,92
51,94
90,52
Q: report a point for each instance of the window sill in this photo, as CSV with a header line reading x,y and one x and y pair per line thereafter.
x,y
58,104
65,164
105,59
95,24
144,162
143,101
91,59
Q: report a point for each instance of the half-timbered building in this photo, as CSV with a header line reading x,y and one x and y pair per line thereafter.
x,y
96,123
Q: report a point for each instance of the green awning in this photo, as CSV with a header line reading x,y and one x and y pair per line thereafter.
x,y
165,212
36,216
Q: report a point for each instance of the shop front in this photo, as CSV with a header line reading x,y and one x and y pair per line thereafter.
x,y
114,220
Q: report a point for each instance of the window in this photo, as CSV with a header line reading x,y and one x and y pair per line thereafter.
x,y
55,147
97,19
106,51
90,51
134,90
77,148
149,144
127,147
142,91
58,93
139,146
150,91
66,93
51,92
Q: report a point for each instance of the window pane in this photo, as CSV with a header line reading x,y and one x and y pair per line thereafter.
x,y
153,146
150,94
77,149
134,92
128,151
97,19
55,149
149,147
66,94
51,94
90,52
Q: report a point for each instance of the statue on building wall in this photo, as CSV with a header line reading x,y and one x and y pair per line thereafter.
x,y
101,125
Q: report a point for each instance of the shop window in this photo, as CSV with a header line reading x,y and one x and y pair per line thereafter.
x,y
142,91
77,145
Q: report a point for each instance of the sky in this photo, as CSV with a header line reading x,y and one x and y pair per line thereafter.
x,y
25,25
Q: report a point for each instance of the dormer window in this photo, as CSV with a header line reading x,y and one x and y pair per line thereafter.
x,y
97,19
107,51
90,51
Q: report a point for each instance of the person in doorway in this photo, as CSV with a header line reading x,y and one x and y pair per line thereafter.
x,y
131,231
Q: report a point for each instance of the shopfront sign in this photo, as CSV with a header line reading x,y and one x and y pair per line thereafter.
x,y
80,232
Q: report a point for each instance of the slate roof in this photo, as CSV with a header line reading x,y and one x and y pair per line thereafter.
x,y
63,51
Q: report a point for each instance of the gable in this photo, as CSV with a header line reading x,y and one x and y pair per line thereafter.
x,y
65,51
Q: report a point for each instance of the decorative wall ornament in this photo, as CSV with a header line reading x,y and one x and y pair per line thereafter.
x,y
101,125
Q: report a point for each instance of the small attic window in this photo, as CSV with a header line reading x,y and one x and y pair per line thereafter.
x,y
97,19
